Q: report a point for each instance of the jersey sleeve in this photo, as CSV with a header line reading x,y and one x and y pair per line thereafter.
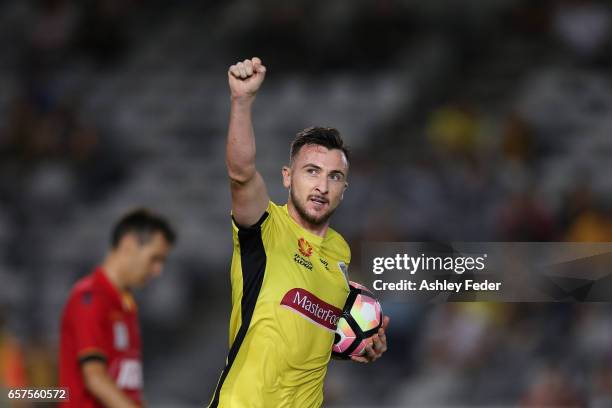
x,y
266,223
348,254
90,321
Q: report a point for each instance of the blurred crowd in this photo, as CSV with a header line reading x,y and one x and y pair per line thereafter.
x,y
469,121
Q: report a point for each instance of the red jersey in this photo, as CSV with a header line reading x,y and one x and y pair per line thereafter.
x,y
100,322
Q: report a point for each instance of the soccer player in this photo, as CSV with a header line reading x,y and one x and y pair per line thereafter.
x,y
100,348
288,272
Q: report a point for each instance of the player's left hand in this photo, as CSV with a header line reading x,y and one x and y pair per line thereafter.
x,y
379,345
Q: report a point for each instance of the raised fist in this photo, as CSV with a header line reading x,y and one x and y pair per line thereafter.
x,y
246,77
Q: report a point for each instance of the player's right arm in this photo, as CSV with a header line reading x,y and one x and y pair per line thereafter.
x,y
101,385
88,317
249,194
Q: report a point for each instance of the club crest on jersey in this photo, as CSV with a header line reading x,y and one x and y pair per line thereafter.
x,y
304,247
120,334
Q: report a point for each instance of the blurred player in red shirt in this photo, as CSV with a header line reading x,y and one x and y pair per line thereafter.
x,y
100,348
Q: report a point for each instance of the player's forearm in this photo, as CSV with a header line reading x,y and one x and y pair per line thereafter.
x,y
240,150
107,392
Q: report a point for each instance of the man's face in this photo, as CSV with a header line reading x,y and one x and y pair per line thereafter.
x,y
145,261
316,182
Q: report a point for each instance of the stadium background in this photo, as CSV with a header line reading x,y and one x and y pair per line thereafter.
x,y
469,120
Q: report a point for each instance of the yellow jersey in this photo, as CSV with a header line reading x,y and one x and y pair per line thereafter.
x,y
288,290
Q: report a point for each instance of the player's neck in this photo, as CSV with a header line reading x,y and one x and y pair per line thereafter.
x,y
316,229
112,270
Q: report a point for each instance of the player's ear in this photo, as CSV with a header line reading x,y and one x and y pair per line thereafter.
x,y
129,242
286,171
343,190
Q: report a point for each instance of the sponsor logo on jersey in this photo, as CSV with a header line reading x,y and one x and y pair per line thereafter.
x,y
300,260
344,270
312,308
304,247
129,376
325,263
120,335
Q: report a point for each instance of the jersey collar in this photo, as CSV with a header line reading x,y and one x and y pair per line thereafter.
x,y
312,238
124,298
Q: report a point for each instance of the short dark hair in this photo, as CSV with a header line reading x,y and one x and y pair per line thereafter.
x,y
317,135
144,223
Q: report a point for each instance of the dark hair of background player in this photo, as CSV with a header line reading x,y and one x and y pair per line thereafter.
x,y
144,223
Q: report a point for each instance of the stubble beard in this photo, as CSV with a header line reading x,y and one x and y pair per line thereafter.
x,y
316,221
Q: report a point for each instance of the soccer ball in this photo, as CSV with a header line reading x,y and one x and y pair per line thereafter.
x,y
361,318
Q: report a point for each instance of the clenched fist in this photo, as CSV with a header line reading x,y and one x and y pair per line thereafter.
x,y
245,78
